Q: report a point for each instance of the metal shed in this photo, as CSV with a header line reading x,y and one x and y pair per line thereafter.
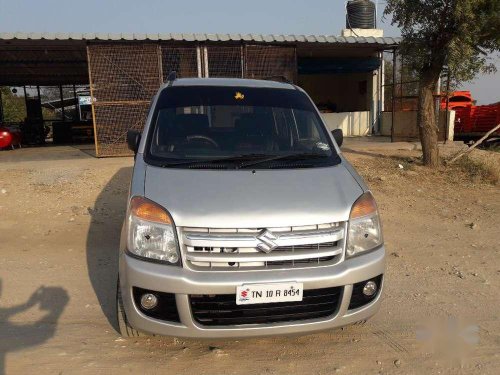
x,y
342,74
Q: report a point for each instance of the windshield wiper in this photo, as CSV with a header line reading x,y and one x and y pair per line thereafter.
x,y
251,159
235,158
294,156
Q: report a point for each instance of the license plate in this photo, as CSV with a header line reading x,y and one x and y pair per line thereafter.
x,y
250,294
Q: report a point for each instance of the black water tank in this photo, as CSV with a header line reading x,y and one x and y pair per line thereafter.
x,y
360,14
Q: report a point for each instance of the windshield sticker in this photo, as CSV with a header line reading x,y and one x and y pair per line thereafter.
x,y
322,146
239,96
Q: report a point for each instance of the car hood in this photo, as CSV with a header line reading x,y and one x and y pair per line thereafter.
x,y
253,199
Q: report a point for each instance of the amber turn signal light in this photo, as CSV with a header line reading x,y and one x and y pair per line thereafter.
x,y
145,209
365,205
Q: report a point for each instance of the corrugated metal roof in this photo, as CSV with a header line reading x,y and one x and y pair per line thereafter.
x,y
262,38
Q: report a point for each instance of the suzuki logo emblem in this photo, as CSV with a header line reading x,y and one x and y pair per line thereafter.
x,y
267,239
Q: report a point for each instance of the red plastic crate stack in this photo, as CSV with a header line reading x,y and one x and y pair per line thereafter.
x,y
480,119
485,117
470,118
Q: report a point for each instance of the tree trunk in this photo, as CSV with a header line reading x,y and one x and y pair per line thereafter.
x,y
426,119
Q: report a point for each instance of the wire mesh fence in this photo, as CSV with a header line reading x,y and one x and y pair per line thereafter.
x,y
270,62
125,76
181,59
224,62
114,122
124,72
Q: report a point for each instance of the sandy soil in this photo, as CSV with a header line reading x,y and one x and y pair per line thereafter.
x,y
59,225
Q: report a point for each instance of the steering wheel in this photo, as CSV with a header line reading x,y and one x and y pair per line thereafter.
x,y
204,138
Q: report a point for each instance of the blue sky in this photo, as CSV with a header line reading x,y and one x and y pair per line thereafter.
x,y
207,16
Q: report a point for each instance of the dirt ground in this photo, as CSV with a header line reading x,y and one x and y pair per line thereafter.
x,y
60,217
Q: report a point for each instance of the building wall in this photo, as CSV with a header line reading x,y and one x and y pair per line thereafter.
x,y
351,123
405,125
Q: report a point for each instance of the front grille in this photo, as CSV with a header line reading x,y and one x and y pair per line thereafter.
x,y
222,310
308,261
209,249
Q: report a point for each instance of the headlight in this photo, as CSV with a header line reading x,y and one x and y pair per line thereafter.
x,y
151,232
365,231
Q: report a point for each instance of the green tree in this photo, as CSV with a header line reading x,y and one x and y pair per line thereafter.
x,y
14,109
458,34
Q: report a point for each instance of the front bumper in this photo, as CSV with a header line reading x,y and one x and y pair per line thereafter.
x,y
183,282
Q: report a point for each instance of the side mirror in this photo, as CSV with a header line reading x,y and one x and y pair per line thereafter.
x,y
133,140
338,135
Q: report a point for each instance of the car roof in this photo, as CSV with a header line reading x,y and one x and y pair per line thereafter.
x,y
231,82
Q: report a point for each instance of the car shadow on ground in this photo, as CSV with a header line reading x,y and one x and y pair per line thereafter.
x,y
51,301
103,240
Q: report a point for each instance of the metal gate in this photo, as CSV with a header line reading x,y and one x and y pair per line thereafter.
x,y
124,77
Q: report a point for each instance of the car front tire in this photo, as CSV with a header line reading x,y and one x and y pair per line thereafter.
x,y
124,327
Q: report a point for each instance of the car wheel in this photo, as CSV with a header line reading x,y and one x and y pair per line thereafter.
x,y
126,330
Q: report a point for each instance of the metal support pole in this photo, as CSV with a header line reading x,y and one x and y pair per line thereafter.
x,y
242,61
401,82
437,104
205,62
380,92
92,97
62,103
199,61
447,125
296,67
40,100
244,66
159,53
394,62
25,100
1,107
77,107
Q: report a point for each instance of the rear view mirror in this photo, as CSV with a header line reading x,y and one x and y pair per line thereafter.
x,y
133,140
338,135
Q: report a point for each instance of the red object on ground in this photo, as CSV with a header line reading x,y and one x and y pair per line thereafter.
x,y
9,137
469,118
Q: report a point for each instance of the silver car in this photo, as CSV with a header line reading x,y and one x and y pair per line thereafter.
x,y
244,219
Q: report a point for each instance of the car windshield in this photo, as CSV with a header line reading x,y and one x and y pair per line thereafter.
x,y
237,127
